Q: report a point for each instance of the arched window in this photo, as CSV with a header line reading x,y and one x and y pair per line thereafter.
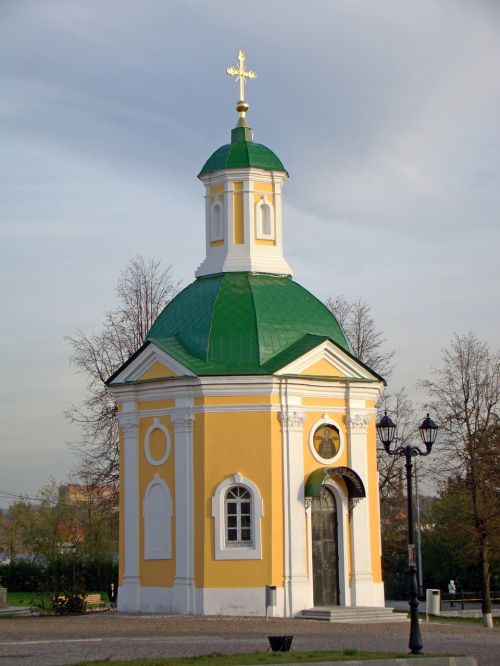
x,y
216,226
237,511
264,220
238,516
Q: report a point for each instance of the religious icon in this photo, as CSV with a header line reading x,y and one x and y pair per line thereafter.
x,y
327,441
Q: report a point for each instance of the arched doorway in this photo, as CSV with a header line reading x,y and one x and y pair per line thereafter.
x,y
325,558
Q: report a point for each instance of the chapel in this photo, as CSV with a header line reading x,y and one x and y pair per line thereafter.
x,y
247,452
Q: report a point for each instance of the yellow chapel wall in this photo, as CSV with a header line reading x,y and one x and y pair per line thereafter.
x,y
248,443
156,572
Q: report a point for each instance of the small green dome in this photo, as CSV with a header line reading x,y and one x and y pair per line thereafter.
x,y
243,323
242,153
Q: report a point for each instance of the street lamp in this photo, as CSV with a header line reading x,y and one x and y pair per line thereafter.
x,y
386,429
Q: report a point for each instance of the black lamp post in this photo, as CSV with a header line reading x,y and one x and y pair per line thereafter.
x,y
387,434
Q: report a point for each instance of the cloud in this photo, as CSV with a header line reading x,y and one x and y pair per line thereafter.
x,y
385,114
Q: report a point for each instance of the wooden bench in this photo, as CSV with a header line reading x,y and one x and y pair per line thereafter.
x,y
94,600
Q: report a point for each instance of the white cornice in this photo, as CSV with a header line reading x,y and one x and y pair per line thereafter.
x,y
257,175
252,385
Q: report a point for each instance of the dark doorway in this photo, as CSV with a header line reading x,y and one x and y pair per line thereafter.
x,y
325,549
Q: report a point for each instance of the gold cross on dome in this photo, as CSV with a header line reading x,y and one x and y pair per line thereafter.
x,y
241,73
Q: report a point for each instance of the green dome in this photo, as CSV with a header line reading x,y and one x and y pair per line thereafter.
x,y
243,323
242,153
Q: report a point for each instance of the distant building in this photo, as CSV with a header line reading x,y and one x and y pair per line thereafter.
x,y
74,492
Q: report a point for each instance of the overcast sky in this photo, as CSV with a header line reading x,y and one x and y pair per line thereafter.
x,y
385,113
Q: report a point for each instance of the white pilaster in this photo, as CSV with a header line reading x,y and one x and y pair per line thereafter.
x,y
297,590
129,593
184,583
361,582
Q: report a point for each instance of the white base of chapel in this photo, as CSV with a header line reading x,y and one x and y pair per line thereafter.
x,y
243,601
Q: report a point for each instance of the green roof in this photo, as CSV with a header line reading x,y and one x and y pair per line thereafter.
x,y
243,323
242,153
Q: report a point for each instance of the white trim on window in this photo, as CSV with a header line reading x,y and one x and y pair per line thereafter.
x,y
157,514
264,220
239,551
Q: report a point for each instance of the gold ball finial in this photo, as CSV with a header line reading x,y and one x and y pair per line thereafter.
x,y
242,106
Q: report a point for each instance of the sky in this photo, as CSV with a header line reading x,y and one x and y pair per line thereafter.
x,y
386,114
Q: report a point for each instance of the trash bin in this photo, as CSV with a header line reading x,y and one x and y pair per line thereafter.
x,y
433,602
270,595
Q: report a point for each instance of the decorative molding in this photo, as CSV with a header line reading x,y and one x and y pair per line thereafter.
x,y
129,423
157,425
182,419
292,420
358,421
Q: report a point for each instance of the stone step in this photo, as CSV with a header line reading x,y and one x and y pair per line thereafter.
x,y
9,611
351,615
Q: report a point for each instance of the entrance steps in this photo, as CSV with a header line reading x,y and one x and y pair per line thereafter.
x,y
352,615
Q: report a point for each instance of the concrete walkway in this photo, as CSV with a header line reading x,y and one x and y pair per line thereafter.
x,y
60,641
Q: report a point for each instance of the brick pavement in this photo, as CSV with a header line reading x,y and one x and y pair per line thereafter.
x,y
54,641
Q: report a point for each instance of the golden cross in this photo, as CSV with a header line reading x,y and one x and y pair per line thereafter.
x,y
241,73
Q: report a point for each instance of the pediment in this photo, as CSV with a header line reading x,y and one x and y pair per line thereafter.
x,y
151,363
328,360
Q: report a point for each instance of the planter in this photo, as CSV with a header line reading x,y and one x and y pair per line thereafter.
x,y
280,643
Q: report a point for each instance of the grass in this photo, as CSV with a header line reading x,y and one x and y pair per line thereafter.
x,y
29,599
40,600
251,658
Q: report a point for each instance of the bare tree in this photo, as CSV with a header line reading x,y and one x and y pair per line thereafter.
x,y
402,412
465,395
368,343
143,290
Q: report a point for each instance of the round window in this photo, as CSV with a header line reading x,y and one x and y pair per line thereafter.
x,y
326,441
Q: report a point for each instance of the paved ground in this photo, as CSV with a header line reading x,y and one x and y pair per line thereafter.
x,y
53,641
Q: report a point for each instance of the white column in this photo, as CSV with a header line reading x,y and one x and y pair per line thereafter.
x,y
184,583
129,593
361,582
278,216
247,215
296,582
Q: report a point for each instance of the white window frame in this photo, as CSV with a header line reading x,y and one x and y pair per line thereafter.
x,y
259,231
216,234
151,517
237,551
